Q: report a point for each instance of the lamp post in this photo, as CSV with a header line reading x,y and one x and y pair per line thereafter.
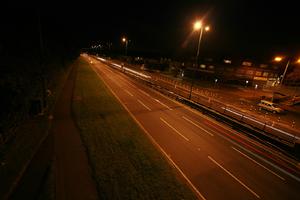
x,y
255,88
279,59
283,75
246,83
198,26
124,39
42,64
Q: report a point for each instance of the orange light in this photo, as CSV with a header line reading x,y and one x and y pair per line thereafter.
x,y
207,28
124,39
197,25
298,61
278,59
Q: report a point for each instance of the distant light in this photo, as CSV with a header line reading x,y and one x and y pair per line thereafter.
x,y
102,59
202,66
256,86
277,58
124,39
197,25
216,80
247,63
247,81
227,61
298,61
207,28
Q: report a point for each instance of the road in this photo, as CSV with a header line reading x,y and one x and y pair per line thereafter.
x,y
244,99
217,162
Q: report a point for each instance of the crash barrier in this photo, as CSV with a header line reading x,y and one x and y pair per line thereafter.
x,y
217,108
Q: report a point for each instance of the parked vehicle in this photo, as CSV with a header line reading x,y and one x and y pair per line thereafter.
x,y
270,106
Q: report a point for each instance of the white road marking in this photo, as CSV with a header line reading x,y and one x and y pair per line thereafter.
x,y
144,105
163,104
238,180
221,125
258,163
197,126
129,93
174,129
262,159
154,142
144,92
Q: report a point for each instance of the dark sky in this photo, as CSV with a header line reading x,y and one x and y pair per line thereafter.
x,y
254,29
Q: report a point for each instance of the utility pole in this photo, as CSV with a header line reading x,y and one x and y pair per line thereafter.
x,y
42,64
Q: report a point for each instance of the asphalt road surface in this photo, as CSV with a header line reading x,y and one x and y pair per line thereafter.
x,y
217,162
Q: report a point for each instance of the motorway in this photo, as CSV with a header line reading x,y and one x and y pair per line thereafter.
x,y
216,161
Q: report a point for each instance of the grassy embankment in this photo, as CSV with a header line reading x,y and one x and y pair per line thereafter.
x,y
125,164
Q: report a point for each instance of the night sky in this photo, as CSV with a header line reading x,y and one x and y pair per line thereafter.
x,y
248,29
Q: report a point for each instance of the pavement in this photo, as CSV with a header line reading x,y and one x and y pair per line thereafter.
x,y
72,171
217,161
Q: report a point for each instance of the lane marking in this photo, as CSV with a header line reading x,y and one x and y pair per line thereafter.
x,y
221,126
193,187
235,178
174,129
144,105
128,92
163,104
261,158
258,163
155,99
198,126
144,92
266,148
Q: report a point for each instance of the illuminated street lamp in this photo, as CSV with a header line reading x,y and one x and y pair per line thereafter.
x,y
247,82
124,40
279,59
256,86
198,26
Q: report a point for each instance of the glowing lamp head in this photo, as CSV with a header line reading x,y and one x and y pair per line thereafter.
x,y
278,59
207,28
123,39
197,25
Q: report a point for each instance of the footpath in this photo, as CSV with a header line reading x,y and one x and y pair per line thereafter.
x,y
73,178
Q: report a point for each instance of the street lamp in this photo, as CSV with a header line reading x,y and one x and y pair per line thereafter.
x,y
216,80
279,59
124,40
198,26
256,86
247,82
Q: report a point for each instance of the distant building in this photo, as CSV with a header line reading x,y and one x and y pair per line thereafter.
x,y
238,72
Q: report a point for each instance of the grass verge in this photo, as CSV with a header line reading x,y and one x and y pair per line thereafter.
x,y
125,164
